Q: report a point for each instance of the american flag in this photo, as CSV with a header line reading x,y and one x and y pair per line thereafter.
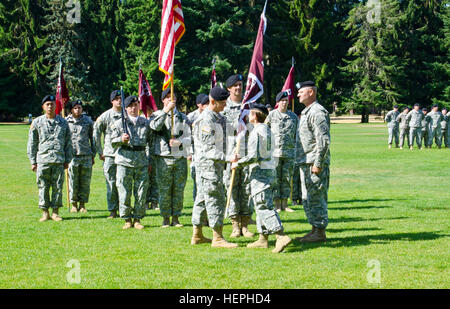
x,y
172,29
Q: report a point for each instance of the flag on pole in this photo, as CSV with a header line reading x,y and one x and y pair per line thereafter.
x,y
213,74
172,29
145,94
289,84
62,94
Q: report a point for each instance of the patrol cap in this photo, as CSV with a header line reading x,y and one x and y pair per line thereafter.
x,y
48,98
281,95
424,109
435,105
406,107
233,79
72,104
395,106
205,100
219,94
259,107
200,98
129,100
114,94
417,104
305,84
268,106
444,109
165,93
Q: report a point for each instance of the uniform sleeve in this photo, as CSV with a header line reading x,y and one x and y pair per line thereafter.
x,y
33,142
208,136
321,133
186,138
158,122
399,118
99,129
68,150
116,136
91,138
388,117
252,153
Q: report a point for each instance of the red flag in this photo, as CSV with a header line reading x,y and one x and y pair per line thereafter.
x,y
213,75
145,94
172,29
289,85
62,94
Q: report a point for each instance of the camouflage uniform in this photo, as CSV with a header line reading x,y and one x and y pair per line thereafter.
x,y
50,147
152,193
241,203
426,130
296,183
192,117
445,129
414,119
313,148
261,145
171,162
284,130
132,162
404,128
103,126
210,144
391,119
435,119
80,168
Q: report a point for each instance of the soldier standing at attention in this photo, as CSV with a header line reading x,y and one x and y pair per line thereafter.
x,y
283,124
391,119
132,162
171,158
261,161
445,127
103,127
414,119
426,129
50,152
240,208
313,155
404,127
210,151
80,168
435,118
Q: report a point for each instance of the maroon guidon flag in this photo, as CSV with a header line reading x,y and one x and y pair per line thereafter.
x,y
289,85
62,94
145,94
213,74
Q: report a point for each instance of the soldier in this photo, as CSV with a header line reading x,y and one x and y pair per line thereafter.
x,y
435,117
313,155
172,147
152,192
210,152
404,126
262,176
202,101
240,208
50,152
445,127
391,119
283,124
132,162
103,127
414,120
80,168
426,128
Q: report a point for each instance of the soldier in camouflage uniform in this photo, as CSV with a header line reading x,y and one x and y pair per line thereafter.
x,y
414,119
103,127
435,118
49,149
404,126
313,155
210,145
391,119
172,148
283,124
445,127
240,209
260,159
80,168
132,162
426,128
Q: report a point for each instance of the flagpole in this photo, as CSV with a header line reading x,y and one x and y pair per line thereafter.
x,y
292,90
66,172
171,100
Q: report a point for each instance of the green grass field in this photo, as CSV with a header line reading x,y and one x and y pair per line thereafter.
x,y
386,205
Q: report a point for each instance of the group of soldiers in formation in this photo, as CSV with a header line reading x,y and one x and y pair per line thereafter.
x,y
264,152
418,125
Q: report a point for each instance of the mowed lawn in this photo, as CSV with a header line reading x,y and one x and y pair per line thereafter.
x,y
391,206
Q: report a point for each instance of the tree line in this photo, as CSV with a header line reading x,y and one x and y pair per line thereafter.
x,y
363,55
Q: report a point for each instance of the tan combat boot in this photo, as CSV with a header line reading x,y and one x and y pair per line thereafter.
x,y
282,242
137,224
128,224
262,242
317,236
55,215
175,222
307,235
236,229
45,216
218,240
278,205
285,207
166,222
112,214
82,208
244,226
74,207
197,236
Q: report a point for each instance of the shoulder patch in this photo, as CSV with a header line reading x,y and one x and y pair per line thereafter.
x,y
206,129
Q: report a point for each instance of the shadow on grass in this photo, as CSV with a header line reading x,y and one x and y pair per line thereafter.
x,y
344,219
301,232
358,207
366,240
366,200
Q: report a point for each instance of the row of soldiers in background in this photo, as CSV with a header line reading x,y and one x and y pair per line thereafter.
x,y
156,149
418,125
